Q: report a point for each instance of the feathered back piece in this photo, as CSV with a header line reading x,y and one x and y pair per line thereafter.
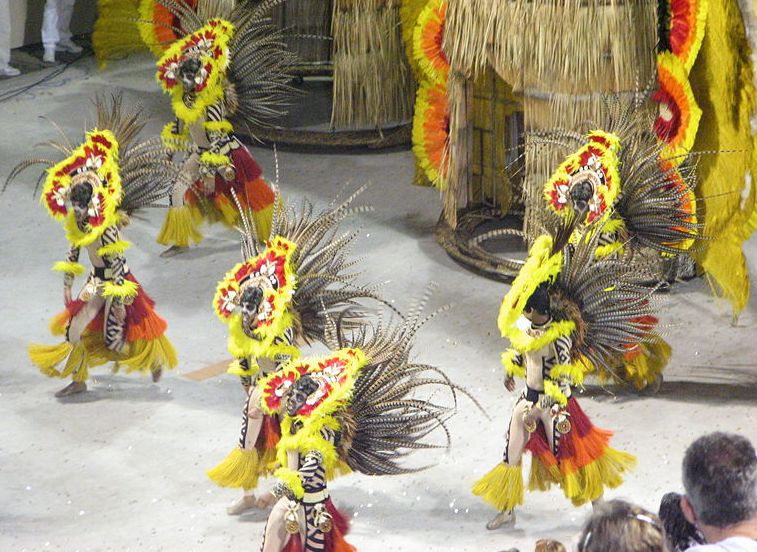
x,y
391,412
654,204
258,67
604,304
144,168
307,257
609,300
369,394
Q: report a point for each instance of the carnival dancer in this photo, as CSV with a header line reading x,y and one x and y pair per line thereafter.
x,y
233,64
566,313
91,192
357,408
278,298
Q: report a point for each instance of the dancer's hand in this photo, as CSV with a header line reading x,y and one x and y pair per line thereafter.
x,y
510,383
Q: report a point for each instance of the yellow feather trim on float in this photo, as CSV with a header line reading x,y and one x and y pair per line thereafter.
x,y
212,40
431,132
69,267
678,116
147,30
722,79
115,248
180,227
409,12
687,27
126,290
240,469
428,35
502,487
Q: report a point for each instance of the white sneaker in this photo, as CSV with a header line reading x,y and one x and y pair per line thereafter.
x,y
9,71
68,46
49,56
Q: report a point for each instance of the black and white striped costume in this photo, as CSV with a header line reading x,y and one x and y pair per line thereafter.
x,y
533,402
109,267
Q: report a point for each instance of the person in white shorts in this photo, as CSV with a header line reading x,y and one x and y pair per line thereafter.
x,y
5,41
56,33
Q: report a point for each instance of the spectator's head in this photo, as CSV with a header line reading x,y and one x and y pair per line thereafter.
x,y
549,545
622,527
720,478
679,532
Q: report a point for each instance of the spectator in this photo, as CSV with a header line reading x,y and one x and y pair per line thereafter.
x,y
679,533
720,479
5,41
56,33
549,545
618,526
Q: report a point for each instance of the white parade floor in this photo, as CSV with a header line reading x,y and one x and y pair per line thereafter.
x,y
123,466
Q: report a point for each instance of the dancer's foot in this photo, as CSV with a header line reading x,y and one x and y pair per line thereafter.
x,y
156,374
241,505
505,517
653,387
265,501
173,251
72,389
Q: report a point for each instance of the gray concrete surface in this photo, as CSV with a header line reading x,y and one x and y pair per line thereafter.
x,y
122,467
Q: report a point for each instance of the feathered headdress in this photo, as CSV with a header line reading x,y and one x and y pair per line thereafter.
x,y
648,200
302,271
125,175
244,59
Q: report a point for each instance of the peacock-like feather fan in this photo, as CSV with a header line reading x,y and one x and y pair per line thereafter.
x,y
389,415
610,300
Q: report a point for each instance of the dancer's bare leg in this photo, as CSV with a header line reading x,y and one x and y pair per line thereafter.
x,y
276,535
254,424
76,328
517,437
